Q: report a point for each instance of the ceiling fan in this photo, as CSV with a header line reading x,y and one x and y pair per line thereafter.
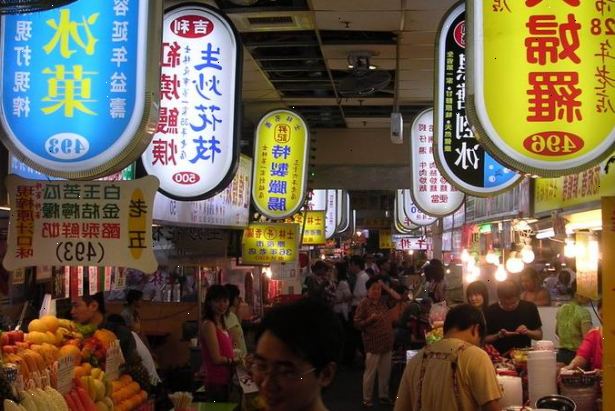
x,y
364,79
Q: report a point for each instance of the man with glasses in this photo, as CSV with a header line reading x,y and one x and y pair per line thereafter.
x,y
453,373
512,322
296,355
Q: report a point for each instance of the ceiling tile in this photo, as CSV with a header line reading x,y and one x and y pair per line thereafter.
x,y
355,5
377,51
342,64
422,20
418,38
373,20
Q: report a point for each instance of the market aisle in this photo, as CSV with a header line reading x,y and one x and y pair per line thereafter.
x,y
345,392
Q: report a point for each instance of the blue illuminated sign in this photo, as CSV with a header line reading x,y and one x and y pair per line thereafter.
x,y
77,97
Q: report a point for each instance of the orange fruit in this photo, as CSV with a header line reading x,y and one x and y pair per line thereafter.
x,y
51,322
71,350
37,325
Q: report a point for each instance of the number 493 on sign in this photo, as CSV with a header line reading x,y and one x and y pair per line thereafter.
x,y
79,251
553,143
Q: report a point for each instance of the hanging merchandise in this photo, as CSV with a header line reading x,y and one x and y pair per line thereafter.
x,y
539,94
195,150
281,148
459,156
431,192
70,70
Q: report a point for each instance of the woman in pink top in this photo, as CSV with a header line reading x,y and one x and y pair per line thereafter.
x,y
216,345
589,353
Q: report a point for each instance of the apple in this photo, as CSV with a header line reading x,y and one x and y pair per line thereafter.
x,y
4,339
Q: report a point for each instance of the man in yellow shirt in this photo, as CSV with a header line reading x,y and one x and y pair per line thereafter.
x,y
453,374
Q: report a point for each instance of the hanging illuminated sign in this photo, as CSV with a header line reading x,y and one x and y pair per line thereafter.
x,y
195,150
411,212
317,200
331,214
458,154
431,191
74,223
539,92
343,211
280,164
400,221
85,74
311,226
266,243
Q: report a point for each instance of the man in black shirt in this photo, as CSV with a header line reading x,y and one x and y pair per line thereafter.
x,y
511,322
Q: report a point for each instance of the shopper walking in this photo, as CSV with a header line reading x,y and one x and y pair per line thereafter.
x,y
453,373
373,319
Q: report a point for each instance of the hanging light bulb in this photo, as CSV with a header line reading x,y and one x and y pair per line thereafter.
x,y
267,272
492,257
465,256
569,249
527,254
514,264
500,273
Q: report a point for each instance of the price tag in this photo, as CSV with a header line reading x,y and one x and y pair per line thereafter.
x,y
93,279
114,361
66,373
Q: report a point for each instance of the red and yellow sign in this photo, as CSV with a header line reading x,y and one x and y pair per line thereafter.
x,y
385,239
540,86
280,164
313,228
575,190
266,243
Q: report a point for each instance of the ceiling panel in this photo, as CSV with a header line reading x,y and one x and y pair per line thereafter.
x,y
418,38
422,20
356,5
373,20
377,51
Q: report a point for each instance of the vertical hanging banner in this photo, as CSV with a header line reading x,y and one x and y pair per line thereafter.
x,y
540,83
431,191
266,243
331,214
458,154
279,180
411,212
86,74
195,150
75,223
400,221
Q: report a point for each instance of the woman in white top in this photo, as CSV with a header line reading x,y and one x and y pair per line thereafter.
x,y
343,295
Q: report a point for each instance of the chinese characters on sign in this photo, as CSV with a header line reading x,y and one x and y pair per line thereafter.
x,y
311,226
80,73
75,223
540,83
230,208
459,156
406,242
411,212
195,149
331,214
401,222
269,242
431,192
280,164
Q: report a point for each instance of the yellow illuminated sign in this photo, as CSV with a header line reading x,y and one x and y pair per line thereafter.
x,y
540,93
280,164
385,240
575,189
314,227
266,243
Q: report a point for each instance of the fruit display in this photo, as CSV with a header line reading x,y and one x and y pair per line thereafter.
x,y
434,335
40,357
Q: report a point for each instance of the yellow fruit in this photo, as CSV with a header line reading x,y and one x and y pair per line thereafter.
x,y
51,338
101,406
95,373
99,389
36,337
37,325
51,322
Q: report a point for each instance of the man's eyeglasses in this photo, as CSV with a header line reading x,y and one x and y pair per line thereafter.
x,y
261,369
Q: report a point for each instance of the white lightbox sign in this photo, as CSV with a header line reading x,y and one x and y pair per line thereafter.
x,y
412,212
331,214
431,192
194,152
